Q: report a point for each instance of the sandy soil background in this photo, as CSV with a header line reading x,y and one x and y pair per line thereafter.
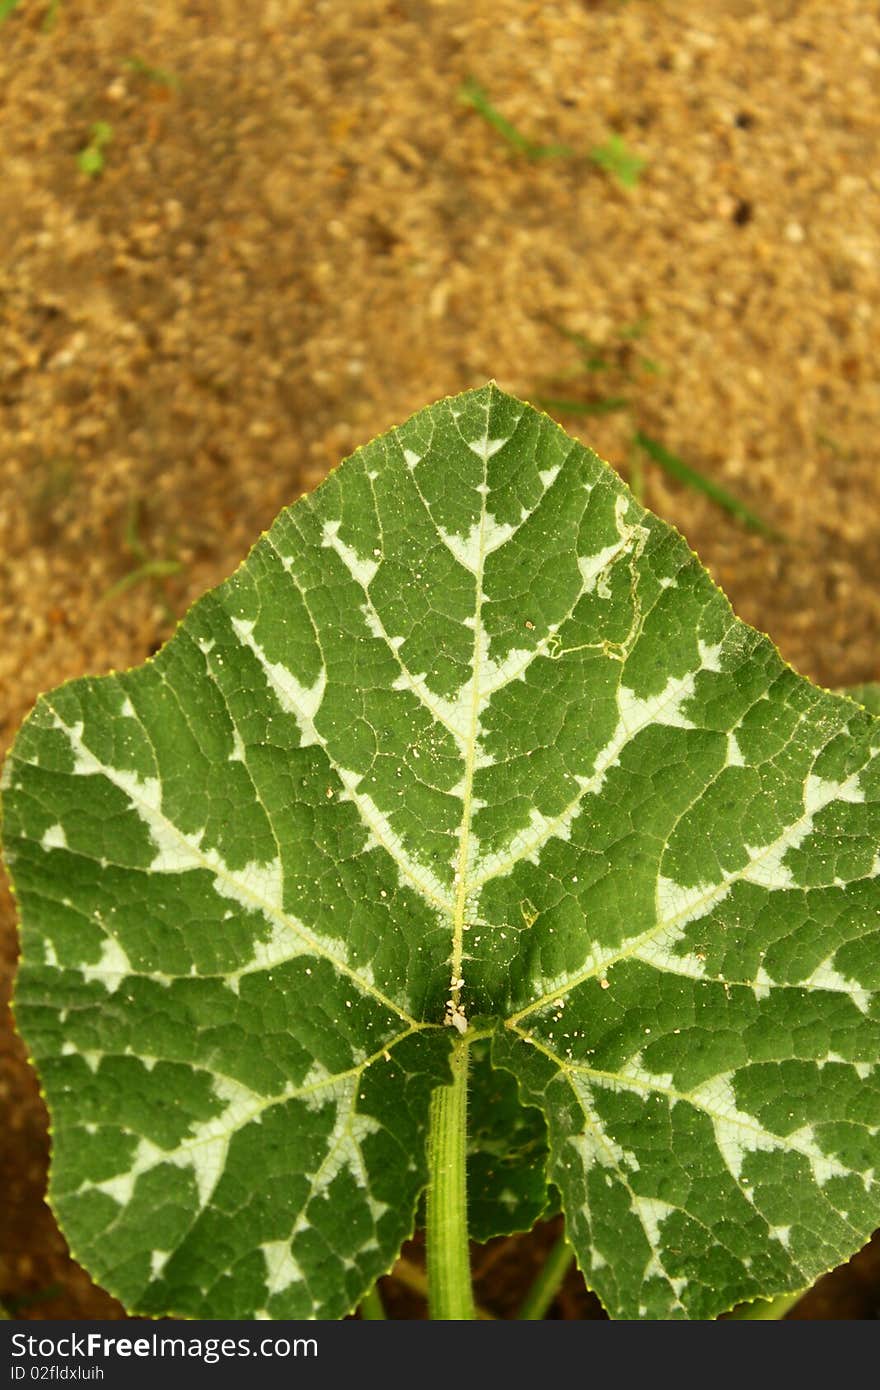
x,y
301,234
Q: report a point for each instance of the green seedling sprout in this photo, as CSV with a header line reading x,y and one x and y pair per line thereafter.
x,y
148,568
619,161
91,157
613,156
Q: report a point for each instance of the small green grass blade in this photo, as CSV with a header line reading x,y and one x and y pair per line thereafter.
x,y
677,468
472,94
592,354
605,405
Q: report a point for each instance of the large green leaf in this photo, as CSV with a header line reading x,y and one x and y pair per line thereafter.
x,y
469,733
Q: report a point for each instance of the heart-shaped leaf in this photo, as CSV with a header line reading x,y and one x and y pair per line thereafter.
x,y
469,733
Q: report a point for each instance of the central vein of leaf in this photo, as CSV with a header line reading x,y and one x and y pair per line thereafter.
x,y
461,872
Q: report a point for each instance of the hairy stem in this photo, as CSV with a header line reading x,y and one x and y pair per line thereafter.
x,y
415,1279
450,1296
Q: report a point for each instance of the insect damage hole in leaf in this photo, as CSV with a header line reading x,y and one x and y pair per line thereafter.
x,y
470,738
